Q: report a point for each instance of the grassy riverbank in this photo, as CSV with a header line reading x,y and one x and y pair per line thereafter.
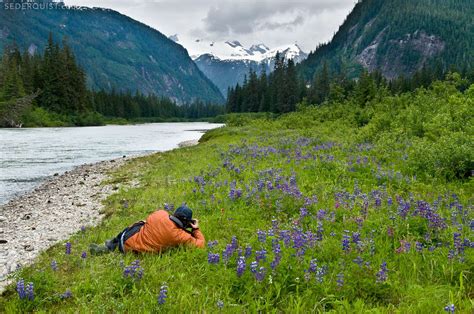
x,y
343,208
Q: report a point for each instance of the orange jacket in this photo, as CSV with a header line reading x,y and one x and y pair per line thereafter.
x,y
160,233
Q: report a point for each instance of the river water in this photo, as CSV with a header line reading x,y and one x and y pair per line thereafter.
x,y
29,156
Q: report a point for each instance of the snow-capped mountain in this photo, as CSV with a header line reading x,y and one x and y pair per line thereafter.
x,y
227,63
234,50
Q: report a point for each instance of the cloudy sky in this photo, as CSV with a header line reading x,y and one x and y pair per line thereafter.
x,y
273,22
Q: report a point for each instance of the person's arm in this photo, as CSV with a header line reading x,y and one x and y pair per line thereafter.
x,y
196,238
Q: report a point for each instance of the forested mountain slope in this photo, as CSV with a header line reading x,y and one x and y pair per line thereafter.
x,y
399,37
115,51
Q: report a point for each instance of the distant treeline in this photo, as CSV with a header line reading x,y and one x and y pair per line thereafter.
x,y
132,106
283,89
49,89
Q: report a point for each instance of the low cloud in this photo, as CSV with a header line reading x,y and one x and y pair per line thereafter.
x,y
243,17
298,20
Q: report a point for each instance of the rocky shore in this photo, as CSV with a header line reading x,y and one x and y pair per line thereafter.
x,y
188,143
51,213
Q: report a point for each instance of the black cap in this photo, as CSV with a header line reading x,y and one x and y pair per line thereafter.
x,y
184,212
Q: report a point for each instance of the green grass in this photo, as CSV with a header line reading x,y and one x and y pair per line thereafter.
x,y
318,155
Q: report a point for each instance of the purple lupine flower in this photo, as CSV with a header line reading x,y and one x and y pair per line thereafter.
x,y
20,289
54,265
320,273
260,275
407,246
345,242
83,228
419,246
134,271
227,253
277,254
84,255
212,244
30,294
313,266
389,201
220,304
359,261
382,273
276,261
457,242
404,247
261,255
66,295
390,232
299,242
276,247
269,185
319,231
163,294
213,258
359,221
356,238
253,267
262,236
468,244
450,308
286,237
303,212
378,202
321,214
168,207
68,248
451,254
240,266
234,243
248,251
340,279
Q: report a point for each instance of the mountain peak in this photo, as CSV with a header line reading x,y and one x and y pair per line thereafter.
x,y
234,43
259,48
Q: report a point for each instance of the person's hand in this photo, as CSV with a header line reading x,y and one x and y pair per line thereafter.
x,y
195,225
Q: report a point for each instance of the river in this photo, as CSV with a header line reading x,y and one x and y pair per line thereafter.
x,y
29,156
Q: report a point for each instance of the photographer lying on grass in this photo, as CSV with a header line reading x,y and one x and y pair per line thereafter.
x,y
159,232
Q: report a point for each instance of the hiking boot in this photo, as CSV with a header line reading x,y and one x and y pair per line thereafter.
x,y
96,249
111,245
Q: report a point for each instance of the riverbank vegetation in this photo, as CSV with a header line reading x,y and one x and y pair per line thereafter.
x,y
49,89
347,206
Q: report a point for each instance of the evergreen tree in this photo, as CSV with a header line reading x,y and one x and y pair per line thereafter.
x,y
291,87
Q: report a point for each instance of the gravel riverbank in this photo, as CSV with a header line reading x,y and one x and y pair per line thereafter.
x,y
51,213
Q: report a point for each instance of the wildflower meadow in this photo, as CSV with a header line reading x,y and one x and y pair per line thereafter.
x,y
337,208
